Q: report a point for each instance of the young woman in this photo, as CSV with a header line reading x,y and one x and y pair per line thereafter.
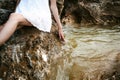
x,y
32,13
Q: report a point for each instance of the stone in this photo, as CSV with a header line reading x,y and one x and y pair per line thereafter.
x,y
27,55
4,14
92,11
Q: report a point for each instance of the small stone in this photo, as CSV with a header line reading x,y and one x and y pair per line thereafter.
x,y
44,57
21,78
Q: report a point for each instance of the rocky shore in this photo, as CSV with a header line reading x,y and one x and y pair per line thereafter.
x,y
104,12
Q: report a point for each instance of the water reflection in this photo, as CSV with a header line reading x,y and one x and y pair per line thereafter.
x,y
90,53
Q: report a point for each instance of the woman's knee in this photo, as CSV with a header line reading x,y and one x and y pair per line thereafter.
x,y
16,17
19,19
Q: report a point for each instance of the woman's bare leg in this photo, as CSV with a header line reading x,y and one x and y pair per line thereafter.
x,y
11,25
1,27
18,27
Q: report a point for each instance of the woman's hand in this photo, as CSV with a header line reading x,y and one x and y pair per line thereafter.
x,y
61,35
57,19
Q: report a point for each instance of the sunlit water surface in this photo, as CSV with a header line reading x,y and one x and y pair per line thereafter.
x,y
89,53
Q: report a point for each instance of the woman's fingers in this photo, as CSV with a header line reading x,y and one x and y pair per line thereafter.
x,y
61,35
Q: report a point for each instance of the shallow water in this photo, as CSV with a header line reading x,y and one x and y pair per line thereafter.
x,y
89,53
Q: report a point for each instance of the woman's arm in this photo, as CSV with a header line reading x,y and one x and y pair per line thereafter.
x,y
54,10
18,1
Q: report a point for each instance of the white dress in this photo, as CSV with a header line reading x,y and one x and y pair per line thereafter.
x,y
37,12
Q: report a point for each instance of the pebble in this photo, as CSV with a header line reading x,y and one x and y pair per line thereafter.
x,y
44,57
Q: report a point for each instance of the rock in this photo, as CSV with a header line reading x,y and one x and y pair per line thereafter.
x,y
6,7
27,55
4,14
92,11
60,4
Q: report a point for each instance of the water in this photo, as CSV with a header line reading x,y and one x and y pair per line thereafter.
x,y
89,53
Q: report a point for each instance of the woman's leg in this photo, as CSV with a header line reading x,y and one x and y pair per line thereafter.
x,y
1,27
11,25
18,27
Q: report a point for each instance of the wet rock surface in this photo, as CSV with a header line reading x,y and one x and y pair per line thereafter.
x,y
92,11
6,7
28,54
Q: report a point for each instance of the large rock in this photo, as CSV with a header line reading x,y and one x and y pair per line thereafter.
x,y
6,7
92,11
27,55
